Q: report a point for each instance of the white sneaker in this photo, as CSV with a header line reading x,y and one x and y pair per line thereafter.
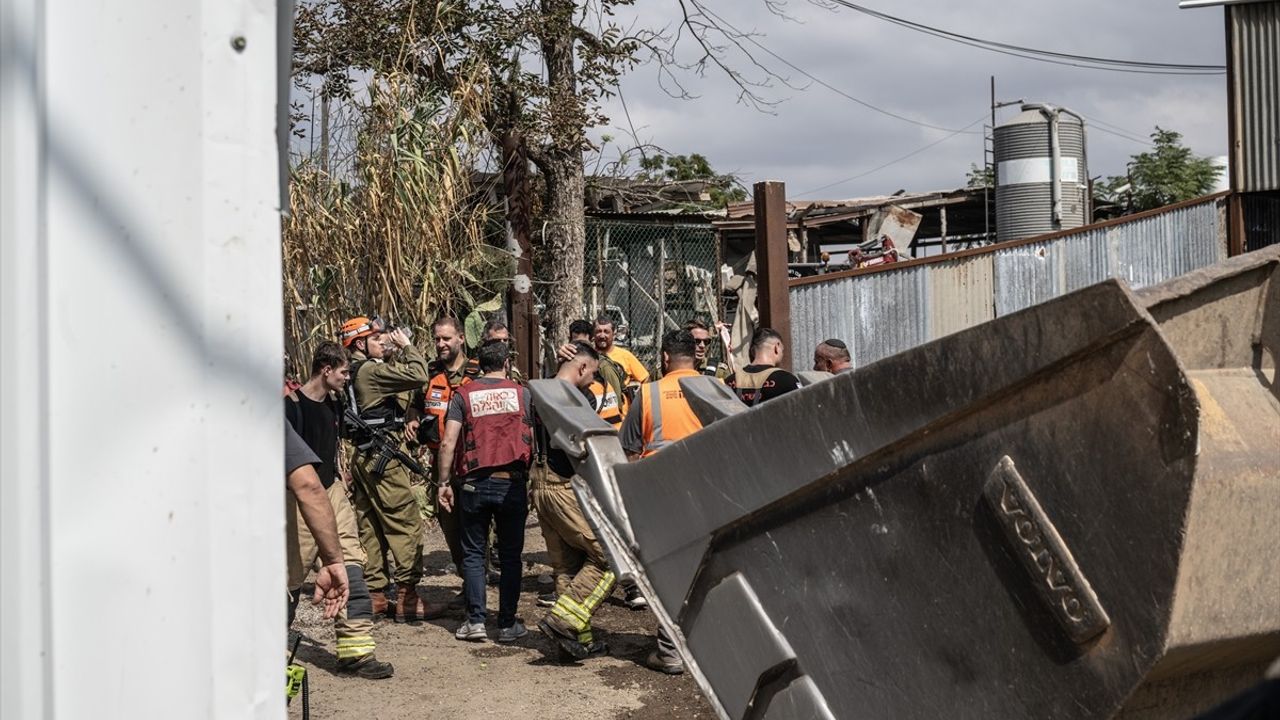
x,y
471,631
513,633
635,600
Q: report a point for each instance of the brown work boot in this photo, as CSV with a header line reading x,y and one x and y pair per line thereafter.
x,y
410,607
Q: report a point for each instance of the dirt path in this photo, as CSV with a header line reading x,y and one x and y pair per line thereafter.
x,y
436,673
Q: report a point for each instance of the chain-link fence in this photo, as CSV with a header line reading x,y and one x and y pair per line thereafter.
x,y
651,277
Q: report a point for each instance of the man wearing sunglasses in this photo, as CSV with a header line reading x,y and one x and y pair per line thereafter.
x,y
702,341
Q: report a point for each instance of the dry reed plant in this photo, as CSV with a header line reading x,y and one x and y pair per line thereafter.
x,y
407,235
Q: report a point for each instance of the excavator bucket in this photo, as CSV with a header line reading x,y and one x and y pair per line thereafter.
x,y
1068,512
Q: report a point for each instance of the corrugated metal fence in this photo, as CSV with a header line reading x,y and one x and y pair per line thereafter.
x,y
880,312
1255,49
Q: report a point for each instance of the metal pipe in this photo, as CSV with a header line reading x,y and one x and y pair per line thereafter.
x,y
1054,114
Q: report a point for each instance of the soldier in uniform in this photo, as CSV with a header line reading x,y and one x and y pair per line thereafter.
x,y
583,576
702,341
387,516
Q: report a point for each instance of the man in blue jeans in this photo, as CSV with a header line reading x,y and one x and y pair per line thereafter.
x,y
487,446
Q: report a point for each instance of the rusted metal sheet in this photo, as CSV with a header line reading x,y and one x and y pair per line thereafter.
x,y
841,551
960,294
896,223
1004,278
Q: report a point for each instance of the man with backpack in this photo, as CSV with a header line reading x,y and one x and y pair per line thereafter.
x,y
314,411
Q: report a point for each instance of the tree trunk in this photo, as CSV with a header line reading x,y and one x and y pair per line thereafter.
x,y
566,238
561,164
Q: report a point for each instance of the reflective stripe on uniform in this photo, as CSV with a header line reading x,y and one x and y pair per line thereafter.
x,y
355,646
578,617
600,592
656,441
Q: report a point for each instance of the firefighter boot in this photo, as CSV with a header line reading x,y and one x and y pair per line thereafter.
x,y
564,638
367,667
411,608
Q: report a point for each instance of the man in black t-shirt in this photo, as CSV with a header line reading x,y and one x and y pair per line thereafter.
x,y
315,412
306,499
763,380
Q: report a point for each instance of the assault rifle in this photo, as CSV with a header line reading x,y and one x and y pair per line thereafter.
x,y
381,440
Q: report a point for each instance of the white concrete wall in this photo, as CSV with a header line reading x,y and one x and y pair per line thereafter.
x,y
141,497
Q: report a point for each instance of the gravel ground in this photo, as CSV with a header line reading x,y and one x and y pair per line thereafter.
x,y
436,673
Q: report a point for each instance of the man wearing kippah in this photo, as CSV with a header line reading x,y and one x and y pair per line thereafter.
x,y
832,356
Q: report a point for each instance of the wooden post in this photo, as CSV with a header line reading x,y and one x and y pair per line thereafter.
x,y
773,301
515,181
1235,156
942,221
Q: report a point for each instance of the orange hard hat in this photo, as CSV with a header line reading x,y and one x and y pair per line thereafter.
x,y
357,327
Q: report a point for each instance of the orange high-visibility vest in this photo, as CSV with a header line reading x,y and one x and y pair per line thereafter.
x,y
609,405
665,415
438,393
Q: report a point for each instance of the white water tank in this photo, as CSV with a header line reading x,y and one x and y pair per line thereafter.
x,y
1042,177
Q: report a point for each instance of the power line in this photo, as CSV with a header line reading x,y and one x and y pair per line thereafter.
x,y
895,161
823,83
1122,135
1116,130
1046,56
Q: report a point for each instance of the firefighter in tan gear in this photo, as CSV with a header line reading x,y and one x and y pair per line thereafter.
x,y
583,576
660,416
314,410
387,516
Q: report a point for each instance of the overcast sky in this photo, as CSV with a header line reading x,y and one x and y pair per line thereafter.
x,y
815,137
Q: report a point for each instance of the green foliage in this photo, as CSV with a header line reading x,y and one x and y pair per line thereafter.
x,y
723,189
980,177
1166,174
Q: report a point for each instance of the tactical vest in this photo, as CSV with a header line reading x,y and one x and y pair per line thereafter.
x,y
749,386
496,433
612,378
665,415
609,401
385,413
437,395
